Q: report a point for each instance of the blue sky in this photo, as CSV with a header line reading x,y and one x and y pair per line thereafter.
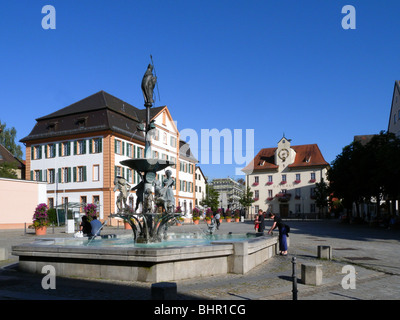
x,y
276,67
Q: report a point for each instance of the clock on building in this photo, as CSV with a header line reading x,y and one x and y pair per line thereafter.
x,y
283,154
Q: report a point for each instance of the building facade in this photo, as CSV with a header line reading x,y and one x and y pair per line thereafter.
x,y
230,192
394,117
200,186
77,150
283,179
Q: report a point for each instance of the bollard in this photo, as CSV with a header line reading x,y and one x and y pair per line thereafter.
x,y
294,279
164,291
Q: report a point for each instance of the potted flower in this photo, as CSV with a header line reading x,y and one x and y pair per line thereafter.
x,y
209,215
196,216
41,219
228,215
90,211
179,219
237,215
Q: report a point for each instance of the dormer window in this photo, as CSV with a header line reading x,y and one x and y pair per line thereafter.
x,y
81,122
51,127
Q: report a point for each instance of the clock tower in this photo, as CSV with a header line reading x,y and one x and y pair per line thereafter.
x,y
284,155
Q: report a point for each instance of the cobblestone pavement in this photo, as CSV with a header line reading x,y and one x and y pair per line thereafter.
x,y
372,251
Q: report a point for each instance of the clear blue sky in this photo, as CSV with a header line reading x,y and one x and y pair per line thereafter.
x,y
272,66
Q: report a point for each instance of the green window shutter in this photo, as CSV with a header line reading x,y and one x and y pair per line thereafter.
x,y
91,146
60,149
40,175
115,145
84,173
46,146
40,152
100,144
32,152
59,175
84,147
75,146
31,175
123,148
69,174
74,173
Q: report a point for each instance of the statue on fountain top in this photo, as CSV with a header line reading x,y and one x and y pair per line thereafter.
x,y
148,84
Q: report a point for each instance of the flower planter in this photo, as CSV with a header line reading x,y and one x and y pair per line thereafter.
x,y
196,221
208,221
236,219
228,220
41,231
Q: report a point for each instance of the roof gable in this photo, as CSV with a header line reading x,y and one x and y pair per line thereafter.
x,y
308,155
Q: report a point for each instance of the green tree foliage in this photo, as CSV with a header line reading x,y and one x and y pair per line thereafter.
x,y
365,171
211,199
321,195
7,170
7,139
247,199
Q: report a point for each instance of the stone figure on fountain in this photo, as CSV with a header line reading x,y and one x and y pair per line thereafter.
x,y
164,194
121,185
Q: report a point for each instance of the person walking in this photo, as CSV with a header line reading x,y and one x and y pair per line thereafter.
x,y
282,233
217,217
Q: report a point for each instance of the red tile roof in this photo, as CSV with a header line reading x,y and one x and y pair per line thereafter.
x,y
307,155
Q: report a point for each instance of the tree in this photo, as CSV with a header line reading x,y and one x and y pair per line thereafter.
x,y
7,139
7,170
363,172
211,199
247,199
321,195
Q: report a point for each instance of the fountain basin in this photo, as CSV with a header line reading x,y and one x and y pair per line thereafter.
x,y
146,264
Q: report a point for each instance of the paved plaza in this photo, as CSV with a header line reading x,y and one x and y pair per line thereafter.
x,y
372,251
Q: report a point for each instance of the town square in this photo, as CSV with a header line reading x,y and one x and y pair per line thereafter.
x,y
200,152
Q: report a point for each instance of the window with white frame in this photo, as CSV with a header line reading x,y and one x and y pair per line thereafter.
x,y
52,175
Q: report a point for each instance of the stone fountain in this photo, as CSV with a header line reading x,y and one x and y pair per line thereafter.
x,y
146,260
157,199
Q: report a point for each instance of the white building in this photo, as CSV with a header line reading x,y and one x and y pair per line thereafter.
x,y
283,179
230,192
77,150
200,186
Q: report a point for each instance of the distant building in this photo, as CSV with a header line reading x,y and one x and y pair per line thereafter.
x,y
77,150
230,192
394,117
283,178
200,186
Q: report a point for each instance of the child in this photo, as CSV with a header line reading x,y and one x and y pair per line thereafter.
x,y
256,223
